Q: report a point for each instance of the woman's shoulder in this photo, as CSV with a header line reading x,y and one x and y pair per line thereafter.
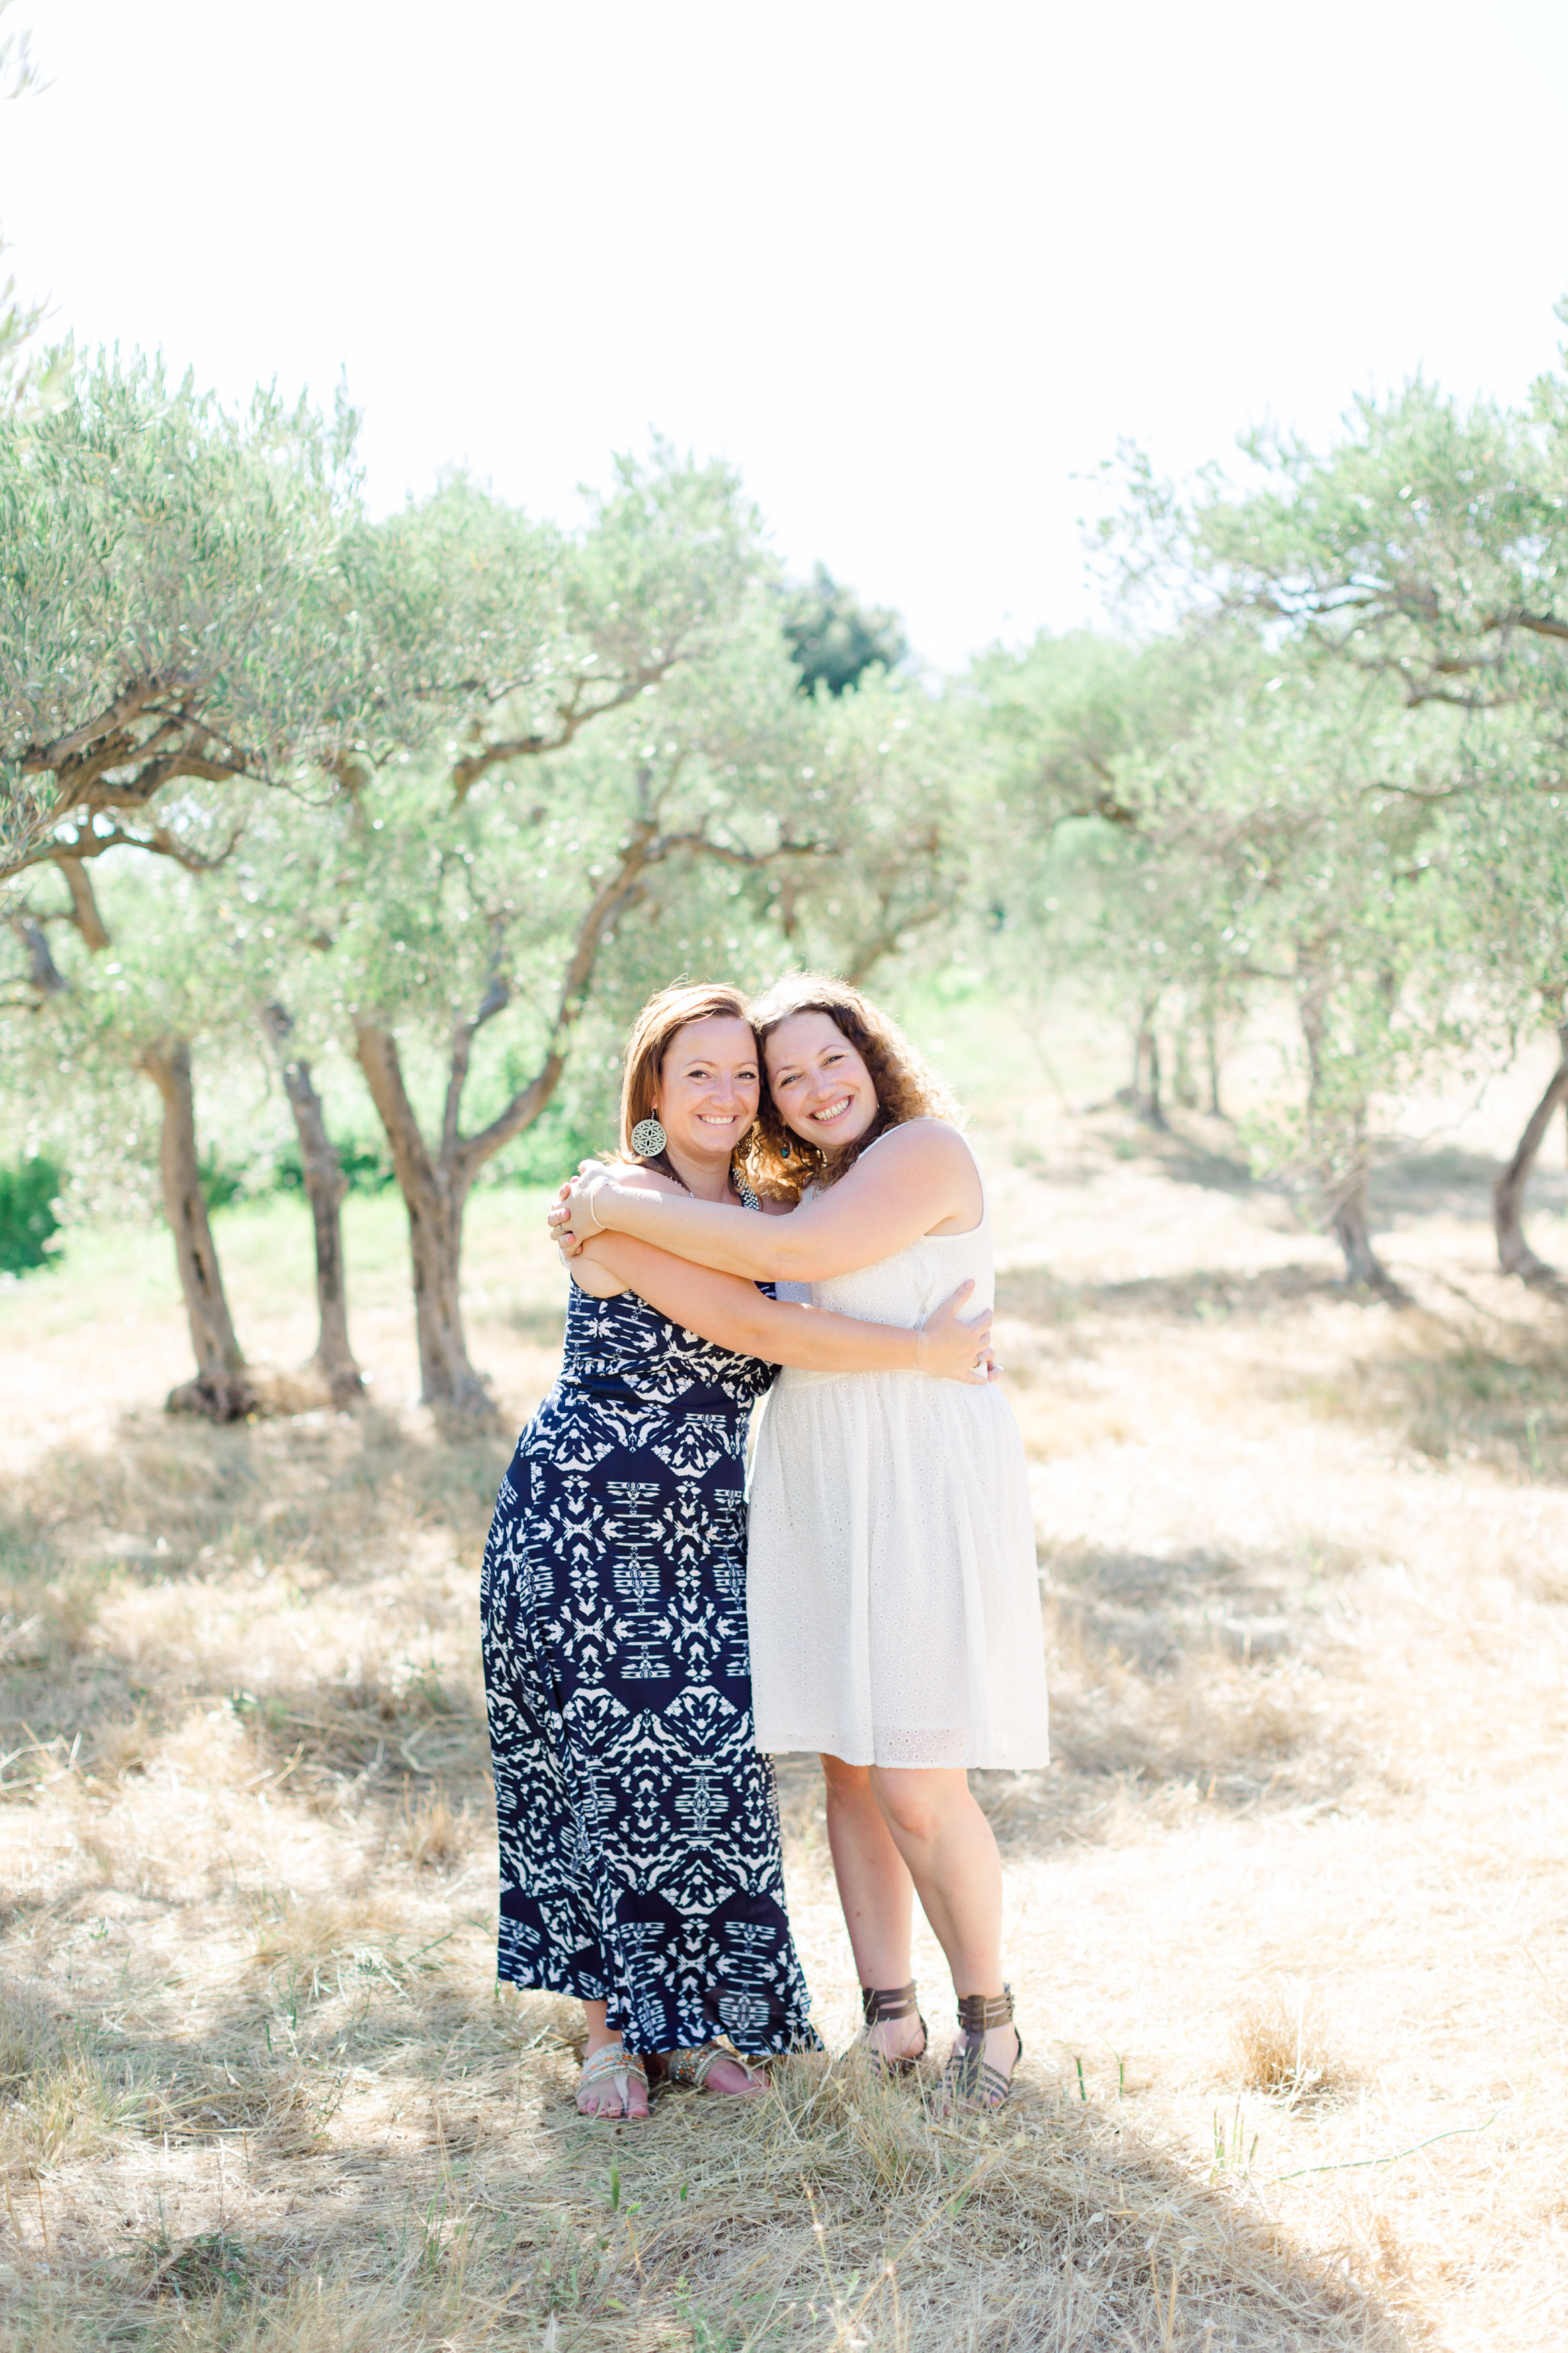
x,y
927,1139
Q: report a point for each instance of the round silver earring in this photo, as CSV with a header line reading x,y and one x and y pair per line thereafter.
x,y
648,1138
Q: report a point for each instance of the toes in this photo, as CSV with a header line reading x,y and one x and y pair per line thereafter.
x,y
734,2082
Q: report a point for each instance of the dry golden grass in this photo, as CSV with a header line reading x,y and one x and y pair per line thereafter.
x,y
1282,2043
1288,1917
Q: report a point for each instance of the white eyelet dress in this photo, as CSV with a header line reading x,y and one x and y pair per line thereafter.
x,y
891,1587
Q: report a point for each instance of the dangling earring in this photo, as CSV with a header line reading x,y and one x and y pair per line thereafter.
x,y
648,1138
783,1149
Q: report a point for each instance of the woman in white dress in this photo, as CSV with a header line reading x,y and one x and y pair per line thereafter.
x,y
893,1597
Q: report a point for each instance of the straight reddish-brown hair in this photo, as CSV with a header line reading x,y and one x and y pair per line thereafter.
x,y
660,1020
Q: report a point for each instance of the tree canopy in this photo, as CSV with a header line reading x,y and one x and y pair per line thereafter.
x,y
406,815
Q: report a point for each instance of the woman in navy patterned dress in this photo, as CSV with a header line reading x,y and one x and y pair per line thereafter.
x,y
639,1839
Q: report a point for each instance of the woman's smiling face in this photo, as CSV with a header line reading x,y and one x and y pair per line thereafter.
x,y
820,1086
709,1086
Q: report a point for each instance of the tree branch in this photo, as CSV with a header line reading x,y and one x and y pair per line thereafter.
x,y
112,721
84,907
498,994
572,717
1539,624
375,1050
43,973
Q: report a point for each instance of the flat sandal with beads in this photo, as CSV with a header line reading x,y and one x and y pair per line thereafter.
x,y
690,2069
881,2006
968,2080
623,2066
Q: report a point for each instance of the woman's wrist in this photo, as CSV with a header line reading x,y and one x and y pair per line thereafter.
x,y
624,1207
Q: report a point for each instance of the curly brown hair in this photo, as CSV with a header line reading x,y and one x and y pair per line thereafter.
x,y
783,1164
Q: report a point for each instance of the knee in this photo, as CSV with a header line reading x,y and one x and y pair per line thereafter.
x,y
846,1784
915,1804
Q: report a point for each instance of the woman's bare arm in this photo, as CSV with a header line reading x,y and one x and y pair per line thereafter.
x,y
919,1177
727,1309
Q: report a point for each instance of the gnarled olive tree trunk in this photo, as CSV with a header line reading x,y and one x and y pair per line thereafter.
x,y
1336,1122
222,1389
1349,1216
325,1186
1514,1253
435,1184
436,1188
1148,1096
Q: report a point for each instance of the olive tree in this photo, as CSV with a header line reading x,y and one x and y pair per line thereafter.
x,y
463,917
175,608
1426,555
1091,864
180,641
80,1060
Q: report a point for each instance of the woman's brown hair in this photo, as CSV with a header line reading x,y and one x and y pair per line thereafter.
x,y
651,1035
779,1162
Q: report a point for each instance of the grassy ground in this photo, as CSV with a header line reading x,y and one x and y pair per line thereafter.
x,y
1287,1918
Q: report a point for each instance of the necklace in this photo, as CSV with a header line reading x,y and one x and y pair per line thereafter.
x,y
661,1161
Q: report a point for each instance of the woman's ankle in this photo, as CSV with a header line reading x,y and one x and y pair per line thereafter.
x,y
893,2035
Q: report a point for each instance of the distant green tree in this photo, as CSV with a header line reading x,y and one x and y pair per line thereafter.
x,y
1211,817
834,639
81,1059
29,1217
884,860
1425,555
1077,881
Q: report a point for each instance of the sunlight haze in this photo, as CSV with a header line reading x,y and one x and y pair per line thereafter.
x,y
913,270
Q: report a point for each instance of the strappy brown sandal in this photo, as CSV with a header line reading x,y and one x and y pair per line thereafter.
x,y
688,2070
878,2005
611,2059
968,2081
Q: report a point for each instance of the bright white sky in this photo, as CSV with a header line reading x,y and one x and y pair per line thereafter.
x,y
912,268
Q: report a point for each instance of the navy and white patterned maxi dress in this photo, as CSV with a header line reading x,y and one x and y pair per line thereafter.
x,y
639,1833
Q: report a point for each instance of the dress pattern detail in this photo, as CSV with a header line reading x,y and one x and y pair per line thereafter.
x,y
639,1836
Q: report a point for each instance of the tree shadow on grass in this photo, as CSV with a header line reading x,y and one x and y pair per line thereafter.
x,y
1202,1296
414,2158
1448,1181
1176,1675
321,1489
545,1327
1466,1402
1188,1160
199,1512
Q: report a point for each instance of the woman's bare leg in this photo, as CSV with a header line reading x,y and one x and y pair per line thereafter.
x,y
951,1854
877,1892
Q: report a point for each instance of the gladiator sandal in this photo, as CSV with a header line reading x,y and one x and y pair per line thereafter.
x,y
610,2059
881,2005
688,2070
968,2081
